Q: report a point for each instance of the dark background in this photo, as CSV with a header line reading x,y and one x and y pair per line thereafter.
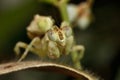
x,y
101,38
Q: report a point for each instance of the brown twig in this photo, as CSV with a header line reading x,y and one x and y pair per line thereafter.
x,y
44,66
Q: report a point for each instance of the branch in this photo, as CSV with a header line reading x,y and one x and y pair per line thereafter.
x,y
10,67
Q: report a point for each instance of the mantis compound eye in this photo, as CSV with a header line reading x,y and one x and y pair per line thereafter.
x,y
52,35
66,29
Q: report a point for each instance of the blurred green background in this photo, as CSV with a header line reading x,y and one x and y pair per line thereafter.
x,y
101,38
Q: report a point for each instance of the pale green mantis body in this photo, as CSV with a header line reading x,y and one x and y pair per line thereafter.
x,y
51,41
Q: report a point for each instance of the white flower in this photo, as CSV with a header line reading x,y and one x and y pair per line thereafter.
x,y
80,14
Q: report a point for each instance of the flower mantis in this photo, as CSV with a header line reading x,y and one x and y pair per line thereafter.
x,y
49,40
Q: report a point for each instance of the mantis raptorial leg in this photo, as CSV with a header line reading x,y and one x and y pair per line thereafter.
x,y
27,47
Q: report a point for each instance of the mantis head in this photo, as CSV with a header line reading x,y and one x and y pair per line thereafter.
x,y
39,25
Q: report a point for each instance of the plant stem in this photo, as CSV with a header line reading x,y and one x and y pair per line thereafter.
x,y
63,10
62,6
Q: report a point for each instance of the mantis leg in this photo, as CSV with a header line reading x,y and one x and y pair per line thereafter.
x,y
18,46
26,47
77,54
